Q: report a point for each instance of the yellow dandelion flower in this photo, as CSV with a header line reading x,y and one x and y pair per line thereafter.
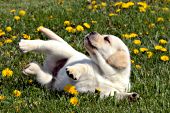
x,y
112,14
142,9
12,11
26,36
127,5
133,35
138,66
126,36
67,23
149,54
8,29
7,72
151,25
2,33
16,18
73,30
162,41
164,58
103,4
71,89
95,6
79,28
74,101
160,19
8,41
93,2
118,4
1,44
165,9
14,37
143,4
94,22
163,49
2,97
17,93
158,47
129,36
137,42
118,10
40,27
69,29
136,51
143,49
132,61
22,13
86,25
131,3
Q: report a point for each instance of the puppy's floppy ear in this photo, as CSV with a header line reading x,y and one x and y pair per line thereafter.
x,y
119,59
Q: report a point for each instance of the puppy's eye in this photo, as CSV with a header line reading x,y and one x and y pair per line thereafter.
x,y
107,39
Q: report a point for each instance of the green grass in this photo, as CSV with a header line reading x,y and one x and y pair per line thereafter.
x,y
152,81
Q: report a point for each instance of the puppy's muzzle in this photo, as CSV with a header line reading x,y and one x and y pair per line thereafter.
x,y
91,35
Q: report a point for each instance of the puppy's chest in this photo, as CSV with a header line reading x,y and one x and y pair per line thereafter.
x,y
58,65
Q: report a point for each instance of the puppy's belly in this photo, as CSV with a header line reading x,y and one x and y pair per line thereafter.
x,y
58,66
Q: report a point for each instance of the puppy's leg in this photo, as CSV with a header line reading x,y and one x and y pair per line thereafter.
x,y
130,96
51,47
75,71
124,95
42,77
106,69
106,91
52,35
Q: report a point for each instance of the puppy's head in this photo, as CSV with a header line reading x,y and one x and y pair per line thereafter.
x,y
111,48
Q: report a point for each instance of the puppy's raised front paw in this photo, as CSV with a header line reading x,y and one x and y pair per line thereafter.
x,y
72,72
32,68
27,45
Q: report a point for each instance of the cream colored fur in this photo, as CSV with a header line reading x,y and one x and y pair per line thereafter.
x,y
107,68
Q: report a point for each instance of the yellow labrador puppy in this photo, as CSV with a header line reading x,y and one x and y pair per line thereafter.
x,y
108,67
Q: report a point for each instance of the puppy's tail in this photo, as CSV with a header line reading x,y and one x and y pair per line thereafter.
x,y
51,35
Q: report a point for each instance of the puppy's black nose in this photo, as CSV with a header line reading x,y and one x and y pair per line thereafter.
x,y
93,33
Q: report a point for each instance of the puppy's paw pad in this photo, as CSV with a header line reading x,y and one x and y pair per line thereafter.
x,y
31,68
72,73
133,97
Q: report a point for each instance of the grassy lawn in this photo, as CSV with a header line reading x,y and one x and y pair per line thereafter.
x,y
145,29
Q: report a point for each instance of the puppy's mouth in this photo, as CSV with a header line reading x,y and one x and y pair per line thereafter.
x,y
90,44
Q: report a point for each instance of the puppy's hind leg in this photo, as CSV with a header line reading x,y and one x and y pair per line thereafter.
x,y
130,96
41,76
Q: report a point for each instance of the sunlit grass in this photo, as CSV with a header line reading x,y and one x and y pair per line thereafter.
x,y
144,30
